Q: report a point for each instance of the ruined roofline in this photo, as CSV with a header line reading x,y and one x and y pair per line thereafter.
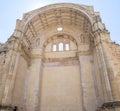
x,y
58,4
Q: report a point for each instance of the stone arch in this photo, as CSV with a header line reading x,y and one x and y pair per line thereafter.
x,y
29,30
28,17
62,35
80,67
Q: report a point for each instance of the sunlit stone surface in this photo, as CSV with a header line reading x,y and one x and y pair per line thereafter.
x,y
60,58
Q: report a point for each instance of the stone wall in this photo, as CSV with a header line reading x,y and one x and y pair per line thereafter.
x,y
35,78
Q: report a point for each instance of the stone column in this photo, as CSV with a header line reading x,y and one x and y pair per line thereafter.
x,y
86,74
101,73
103,67
111,72
2,72
102,40
12,59
35,75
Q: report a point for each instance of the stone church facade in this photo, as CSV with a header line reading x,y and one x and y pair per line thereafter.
x,y
60,58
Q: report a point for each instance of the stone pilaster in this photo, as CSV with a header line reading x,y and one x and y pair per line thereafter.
x,y
110,65
101,75
11,64
101,36
2,72
35,75
86,74
110,62
102,64
81,88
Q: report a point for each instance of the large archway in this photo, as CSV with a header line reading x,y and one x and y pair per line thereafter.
x,y
57,57
74,19
55,62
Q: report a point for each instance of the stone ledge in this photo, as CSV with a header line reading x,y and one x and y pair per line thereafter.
x,y
7,107
109,105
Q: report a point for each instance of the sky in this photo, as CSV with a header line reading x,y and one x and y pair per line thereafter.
x,y
11,10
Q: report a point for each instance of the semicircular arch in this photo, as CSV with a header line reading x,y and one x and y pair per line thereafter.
x,y
47,8
59,36
75,15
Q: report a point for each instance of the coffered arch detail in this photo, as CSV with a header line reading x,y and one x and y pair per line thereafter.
x,y
38,22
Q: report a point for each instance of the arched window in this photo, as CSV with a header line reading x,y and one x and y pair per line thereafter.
x,y
54,48
67,46
60,46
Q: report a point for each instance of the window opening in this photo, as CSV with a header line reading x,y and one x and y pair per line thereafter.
x,y
59,29
67,46
60,46
54,48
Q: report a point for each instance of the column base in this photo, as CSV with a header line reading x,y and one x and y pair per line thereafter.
x,y
110,106
4,107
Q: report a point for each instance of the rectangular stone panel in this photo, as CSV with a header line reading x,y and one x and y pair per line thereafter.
x,y
61,89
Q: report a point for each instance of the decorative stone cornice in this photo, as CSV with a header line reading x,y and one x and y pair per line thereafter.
x,y
80,53
99,32
13,43
100,36
25,48
36,56
37,53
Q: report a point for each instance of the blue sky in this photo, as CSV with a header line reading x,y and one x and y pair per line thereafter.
x,y
10,10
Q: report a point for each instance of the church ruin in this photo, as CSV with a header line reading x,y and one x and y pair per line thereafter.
x,y
60,58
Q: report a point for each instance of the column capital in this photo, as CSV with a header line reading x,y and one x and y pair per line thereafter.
x,y
84,49
100,36
37,53
13,44
80,53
